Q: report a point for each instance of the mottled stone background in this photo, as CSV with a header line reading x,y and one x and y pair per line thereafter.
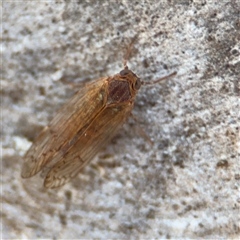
x,y
184,186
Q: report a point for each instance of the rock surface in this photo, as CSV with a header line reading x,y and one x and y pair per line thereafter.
x,y
184,186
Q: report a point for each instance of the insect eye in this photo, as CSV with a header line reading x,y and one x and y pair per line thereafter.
x,y
124,72
138,84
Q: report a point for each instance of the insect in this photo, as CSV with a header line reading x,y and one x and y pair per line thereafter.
x,y
82,127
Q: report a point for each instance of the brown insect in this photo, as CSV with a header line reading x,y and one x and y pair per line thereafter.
x,y
82,127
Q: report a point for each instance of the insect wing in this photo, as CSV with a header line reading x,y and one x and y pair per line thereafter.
x,y
106,124
60,134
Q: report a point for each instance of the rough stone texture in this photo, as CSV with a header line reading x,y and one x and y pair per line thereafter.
x,y
184,186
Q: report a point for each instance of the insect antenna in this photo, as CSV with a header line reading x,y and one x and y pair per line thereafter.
x,y
160,79
128,52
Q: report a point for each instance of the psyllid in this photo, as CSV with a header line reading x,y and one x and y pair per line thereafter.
x,y
83,126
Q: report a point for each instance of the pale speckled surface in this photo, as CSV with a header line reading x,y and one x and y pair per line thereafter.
x,y
187,184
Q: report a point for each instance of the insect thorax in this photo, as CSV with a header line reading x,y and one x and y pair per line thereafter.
x,y
123,87
118,91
